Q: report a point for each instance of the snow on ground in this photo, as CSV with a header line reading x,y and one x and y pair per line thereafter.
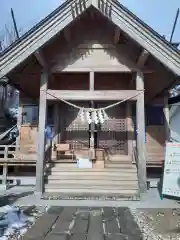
x,y
14,221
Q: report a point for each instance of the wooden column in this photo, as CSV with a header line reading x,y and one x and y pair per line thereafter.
x,y
56,128
140,119
19,123
166,117
91,88
56,122
129,127
41,133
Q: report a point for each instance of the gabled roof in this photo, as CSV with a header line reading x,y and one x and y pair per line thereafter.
x,y
150,40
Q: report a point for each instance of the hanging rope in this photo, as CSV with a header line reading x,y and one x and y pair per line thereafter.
x,y
96,109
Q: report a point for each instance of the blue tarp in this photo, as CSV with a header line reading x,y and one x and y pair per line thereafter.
x,y
48,133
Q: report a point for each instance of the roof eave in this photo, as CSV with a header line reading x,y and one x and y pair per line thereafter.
x,y
159,48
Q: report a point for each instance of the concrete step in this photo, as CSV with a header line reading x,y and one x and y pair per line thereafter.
x,y
120,165
92,171
65,165
61,161
90,186
94,175
78,176
118,162
92,192
89,182
119,157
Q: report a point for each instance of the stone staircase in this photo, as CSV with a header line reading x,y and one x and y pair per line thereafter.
x,y
117,179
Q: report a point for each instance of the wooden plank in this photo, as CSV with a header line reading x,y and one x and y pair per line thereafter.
x,y
42,227
81,224
77,237
128,225
116,237
56,237
91,95
95,230
140,119
41,133
142,58
65,218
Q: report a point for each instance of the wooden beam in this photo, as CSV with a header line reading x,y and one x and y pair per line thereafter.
x,y
142,58
67,34
92,126
117,33
91,95
41,133
140,121
91,81
40,58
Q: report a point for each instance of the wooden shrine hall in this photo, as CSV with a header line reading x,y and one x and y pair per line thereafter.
x,y
91,55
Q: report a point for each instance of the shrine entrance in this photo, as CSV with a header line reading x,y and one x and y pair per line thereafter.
x,y
112,134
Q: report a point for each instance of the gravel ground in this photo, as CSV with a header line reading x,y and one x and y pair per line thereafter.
x,y
157,224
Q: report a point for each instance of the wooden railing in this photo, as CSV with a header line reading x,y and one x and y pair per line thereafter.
x,y
135,156
48,154
26,155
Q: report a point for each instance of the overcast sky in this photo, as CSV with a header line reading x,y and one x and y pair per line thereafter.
x,y
159,14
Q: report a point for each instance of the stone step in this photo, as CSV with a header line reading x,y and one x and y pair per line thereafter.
x,y
91,192
65,165
93,171
78,176
80,185
64,161
120,165
119,157
116,165
89,182
118,162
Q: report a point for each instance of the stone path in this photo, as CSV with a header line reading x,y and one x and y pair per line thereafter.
x,y
83,223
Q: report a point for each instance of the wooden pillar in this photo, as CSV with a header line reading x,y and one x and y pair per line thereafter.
x,y
140,119
56,128
56,122
19,123
91,88
129,127
166,117
41,133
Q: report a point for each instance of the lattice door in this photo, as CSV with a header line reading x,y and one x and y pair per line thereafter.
x,y
112,134
75,132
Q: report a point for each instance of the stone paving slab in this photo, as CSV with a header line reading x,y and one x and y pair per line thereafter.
x,y
76,223
42,227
